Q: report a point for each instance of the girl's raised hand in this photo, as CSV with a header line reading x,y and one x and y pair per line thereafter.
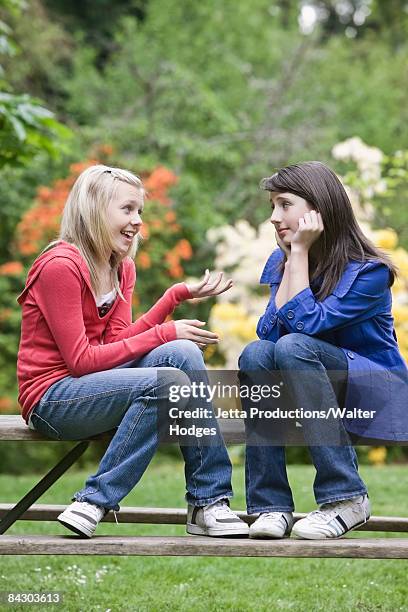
x,y
309,230
191,329
208,288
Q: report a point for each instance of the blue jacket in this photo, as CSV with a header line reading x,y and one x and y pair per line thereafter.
x,y
357,318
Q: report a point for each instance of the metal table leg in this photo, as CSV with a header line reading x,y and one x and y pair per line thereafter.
x,y
45,483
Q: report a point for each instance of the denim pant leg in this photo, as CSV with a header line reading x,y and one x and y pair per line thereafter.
x,y
130,399
336,466
305,364
267,485
207,463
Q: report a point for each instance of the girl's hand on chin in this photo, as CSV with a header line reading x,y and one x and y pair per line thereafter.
x,y
208,287
309,230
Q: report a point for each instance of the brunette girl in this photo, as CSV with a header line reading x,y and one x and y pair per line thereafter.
x,y
328,331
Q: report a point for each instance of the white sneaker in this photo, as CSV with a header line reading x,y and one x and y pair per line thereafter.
x,y
215,520
334,520
272,525
82,517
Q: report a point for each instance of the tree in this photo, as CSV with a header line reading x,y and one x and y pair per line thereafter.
x,y
26,127
98,20
363,18
28,131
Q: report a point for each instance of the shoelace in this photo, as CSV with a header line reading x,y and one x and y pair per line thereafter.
x,y
221,508
271,515
94,510
324,515
330,510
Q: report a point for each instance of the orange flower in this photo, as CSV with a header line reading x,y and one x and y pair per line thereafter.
x,y
172,257
183,248
44,193
173,264
176,271
104,150
5,404
81,166
28,249
145,230
158,183
170,216
160,178
5,314
11,268
143,259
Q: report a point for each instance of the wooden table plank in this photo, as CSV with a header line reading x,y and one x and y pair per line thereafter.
x,y
13,427
388,548
177,516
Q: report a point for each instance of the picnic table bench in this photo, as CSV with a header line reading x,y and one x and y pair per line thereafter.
x,y
12,427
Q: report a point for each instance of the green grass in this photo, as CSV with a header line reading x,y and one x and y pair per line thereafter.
x,y
192,583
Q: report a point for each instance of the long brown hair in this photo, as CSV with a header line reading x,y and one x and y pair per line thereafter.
x,y
342,239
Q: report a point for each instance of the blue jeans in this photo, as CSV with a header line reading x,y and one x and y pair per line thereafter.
x,y
130,398
304,364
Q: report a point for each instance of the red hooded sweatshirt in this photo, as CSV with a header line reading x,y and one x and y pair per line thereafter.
x,y
62,333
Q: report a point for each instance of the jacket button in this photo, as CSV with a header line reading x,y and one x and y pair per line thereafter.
x,y
273,320
350,354
300,325
264,330
290,314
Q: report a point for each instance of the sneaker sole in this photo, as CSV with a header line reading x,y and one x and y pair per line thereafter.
x,y
267,536
74,526
213,533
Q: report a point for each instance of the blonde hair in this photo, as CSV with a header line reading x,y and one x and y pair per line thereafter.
x,y
84,219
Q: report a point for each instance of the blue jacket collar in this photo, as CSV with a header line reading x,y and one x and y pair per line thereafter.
x,y
272,274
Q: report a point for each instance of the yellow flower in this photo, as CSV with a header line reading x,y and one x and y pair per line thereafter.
x,y
386,238
400,258
402,335
400,314
227,312
399,286
232,322
210,350
377,455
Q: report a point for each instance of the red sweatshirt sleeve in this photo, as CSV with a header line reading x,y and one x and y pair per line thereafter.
x,y
120,324
57,291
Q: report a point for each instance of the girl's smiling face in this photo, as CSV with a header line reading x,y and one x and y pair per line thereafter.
x,y
124,216
287,209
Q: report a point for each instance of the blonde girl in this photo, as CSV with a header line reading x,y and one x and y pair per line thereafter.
x,y
84,367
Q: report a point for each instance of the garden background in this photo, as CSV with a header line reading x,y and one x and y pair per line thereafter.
x,y
201,99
